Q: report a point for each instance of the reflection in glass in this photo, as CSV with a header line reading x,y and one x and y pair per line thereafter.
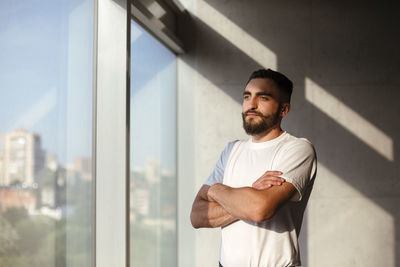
x,y
153,160
45,126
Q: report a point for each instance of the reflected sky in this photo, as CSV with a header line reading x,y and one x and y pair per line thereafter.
x,y
153,81
42,52
39,72
29,45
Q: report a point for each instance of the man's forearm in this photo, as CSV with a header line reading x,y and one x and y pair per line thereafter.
x,y
245,203
209,214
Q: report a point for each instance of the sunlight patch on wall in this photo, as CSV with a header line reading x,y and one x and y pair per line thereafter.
x,y
236,35
349,119
347,228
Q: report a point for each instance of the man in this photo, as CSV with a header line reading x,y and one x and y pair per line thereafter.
x,y
259,188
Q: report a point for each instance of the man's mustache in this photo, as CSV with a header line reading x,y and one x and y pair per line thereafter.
x,y
253,112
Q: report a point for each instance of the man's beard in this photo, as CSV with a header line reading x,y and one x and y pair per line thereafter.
x,y
255,127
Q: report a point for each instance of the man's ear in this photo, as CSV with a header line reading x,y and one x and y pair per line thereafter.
x,y
285,108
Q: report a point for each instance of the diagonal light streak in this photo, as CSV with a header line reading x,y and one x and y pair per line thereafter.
x,y
37,111
338,211
236,35
349,119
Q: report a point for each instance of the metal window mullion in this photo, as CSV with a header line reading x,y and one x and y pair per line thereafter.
x,y
111,193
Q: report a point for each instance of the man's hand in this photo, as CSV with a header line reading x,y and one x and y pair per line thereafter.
x,y
268,179
209,193
212,191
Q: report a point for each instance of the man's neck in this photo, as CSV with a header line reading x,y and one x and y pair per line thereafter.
x,y
267,135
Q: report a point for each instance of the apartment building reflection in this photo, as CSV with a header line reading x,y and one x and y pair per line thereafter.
x,y
152,195
38,192
153,214
34,180
23,158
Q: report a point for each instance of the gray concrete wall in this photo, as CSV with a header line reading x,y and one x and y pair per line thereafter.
x,y
344,59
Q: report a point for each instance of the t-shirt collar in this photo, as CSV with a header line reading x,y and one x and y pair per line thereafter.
x,y
268,143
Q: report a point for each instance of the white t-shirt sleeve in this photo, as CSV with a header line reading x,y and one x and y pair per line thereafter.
x,y
217,176
297,161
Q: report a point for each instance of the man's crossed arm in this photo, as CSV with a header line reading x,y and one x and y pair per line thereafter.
x,y
207,213
220,205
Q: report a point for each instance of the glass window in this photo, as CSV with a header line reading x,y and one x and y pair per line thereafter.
x,y
46,70
153,153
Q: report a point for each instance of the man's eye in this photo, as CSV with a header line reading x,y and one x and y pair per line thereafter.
x,y
264,98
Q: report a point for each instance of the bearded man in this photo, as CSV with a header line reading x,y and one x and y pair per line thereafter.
x,y
259,188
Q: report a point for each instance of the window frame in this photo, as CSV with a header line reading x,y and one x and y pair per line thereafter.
x,y
111,134
111,123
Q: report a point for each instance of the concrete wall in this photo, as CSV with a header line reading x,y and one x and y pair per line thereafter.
x,y
344,59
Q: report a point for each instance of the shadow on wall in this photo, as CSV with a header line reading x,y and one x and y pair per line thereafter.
x,y
350,53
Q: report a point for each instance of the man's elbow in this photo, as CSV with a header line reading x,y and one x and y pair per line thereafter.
x,y
194,220
259,215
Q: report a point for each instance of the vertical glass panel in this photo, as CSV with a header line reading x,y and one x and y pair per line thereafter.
x,y
153,160
46,72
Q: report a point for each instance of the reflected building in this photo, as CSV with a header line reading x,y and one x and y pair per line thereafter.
x,y
80,169
139,193
152,199
18,197
83,165
1,167
51,162
23,158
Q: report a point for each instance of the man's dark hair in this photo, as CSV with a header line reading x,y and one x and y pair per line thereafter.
x,y
285,86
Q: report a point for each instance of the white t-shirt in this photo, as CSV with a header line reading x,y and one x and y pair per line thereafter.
x,y
272,243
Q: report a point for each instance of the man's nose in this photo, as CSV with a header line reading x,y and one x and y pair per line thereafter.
x,y
253,103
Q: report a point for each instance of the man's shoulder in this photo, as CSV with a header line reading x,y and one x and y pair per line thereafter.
x,y
233,147
229,146
298,143
238,143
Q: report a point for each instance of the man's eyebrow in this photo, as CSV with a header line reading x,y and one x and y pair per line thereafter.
x,y
264,93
